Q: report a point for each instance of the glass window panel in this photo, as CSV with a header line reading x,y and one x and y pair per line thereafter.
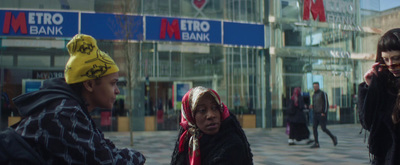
x,y
60,61
147,60
164,64
33,61
6,60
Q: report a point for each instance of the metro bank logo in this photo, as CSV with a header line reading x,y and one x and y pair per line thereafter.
x,y
38,23
184,30
317,10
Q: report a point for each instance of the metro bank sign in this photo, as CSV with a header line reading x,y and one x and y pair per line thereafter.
x,y
332,11
183,30
38,23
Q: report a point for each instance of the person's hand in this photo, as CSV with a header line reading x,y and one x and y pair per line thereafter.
x,y
322,114
368,75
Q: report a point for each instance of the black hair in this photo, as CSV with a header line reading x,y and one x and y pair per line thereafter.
x,y
77,88
315,83
390,41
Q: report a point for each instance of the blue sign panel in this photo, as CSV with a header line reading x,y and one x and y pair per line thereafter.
x,y
38,23
244,34
183,30
29,85
112,26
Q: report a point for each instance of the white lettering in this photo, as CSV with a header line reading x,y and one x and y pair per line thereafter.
x,y
189,22
339,6
205,26
50,30
206,37
57,19
330,17
47,19
46,30
183,25
39,18
31,18
193,37
196,26
42,30
185,36
58,30
33,30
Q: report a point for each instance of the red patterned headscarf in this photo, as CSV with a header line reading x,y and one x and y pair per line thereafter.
x,y
192,132
295,96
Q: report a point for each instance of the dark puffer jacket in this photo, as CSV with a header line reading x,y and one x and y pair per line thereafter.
x,y
57,125
228,147
375,107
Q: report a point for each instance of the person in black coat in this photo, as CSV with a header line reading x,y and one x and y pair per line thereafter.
x,y
209,133
297,119
56,120
379,101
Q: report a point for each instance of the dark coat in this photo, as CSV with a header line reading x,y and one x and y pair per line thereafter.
x,y
56,123
320,102
228,147
295,113
375,106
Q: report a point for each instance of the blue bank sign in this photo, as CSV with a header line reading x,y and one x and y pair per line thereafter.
x,y
38,23
182,29
107,26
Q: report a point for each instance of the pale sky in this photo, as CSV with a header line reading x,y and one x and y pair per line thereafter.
x,y
387,4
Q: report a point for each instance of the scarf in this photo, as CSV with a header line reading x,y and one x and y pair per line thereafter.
x,y
192,132
295,96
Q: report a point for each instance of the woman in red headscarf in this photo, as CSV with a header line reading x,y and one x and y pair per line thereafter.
x,y
297,119
209,133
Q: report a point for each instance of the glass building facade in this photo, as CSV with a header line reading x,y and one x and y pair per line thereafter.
x,y
153,67
332,42
302,41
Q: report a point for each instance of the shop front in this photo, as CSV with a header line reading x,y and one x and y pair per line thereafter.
x,y
167,52
317,41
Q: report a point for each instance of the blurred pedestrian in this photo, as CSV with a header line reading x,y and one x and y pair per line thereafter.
x,y
379,101
320,106
297,119
209,133
55,119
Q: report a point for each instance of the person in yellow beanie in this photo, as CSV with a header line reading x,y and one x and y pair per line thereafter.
x,y
87,61
55,119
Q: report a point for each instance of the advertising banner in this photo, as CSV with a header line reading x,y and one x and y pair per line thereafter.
x,y
183,30
31,85
32,23
112,26
179,89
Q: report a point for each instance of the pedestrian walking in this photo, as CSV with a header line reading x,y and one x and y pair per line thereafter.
x,y
297,119
209,133
379,101
55,119
320,106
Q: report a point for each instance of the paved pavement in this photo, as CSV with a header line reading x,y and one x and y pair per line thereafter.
x,y
269,146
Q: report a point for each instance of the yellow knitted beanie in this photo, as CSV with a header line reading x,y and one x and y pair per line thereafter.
x,y
86,60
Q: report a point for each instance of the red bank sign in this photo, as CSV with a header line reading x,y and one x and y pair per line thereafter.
x,y
38,23
332,11
317,10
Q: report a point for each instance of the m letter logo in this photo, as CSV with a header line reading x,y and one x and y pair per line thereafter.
x,y
19,23
171,29
317,9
